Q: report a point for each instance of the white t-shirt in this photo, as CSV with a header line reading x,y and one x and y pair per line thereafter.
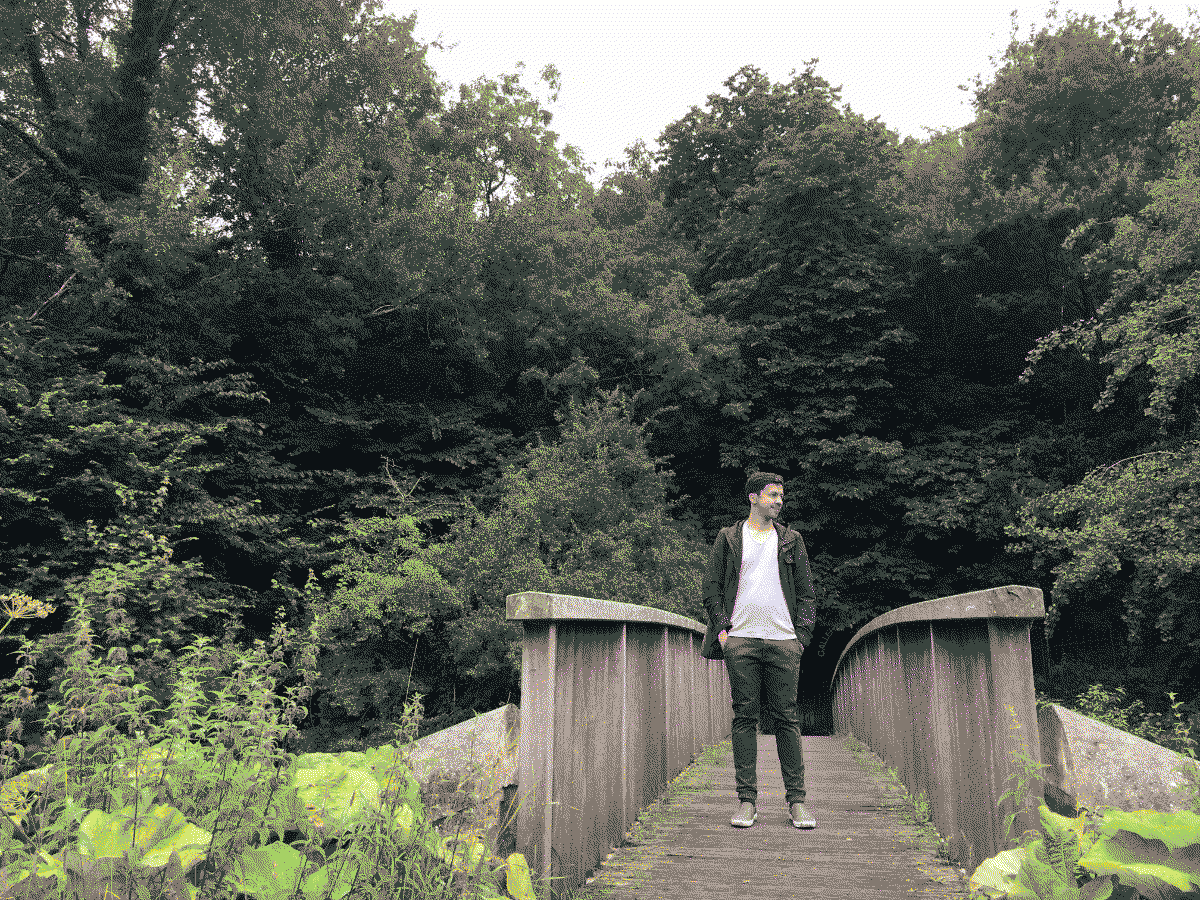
x,y
760,610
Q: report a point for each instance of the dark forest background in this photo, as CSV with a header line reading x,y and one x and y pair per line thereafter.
x,y
288,329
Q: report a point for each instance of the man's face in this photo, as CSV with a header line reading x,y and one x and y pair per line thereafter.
x,y
769,502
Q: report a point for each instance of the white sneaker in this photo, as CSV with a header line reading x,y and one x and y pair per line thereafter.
x,y
745,816
801,818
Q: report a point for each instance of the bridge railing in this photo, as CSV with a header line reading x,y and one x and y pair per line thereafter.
x,y
943,692
616,700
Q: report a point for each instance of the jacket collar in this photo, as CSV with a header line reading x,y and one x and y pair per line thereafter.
x,y
787,534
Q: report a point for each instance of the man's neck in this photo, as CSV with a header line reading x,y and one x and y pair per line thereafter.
x,y
761,526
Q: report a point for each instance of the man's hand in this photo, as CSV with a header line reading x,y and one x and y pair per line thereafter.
x,y
723,637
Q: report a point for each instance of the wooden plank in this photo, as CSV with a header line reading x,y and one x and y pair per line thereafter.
x,y
962,676
647,720
587,751
1015,715
535,754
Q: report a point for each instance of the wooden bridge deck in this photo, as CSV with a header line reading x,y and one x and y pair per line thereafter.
x,y
861,847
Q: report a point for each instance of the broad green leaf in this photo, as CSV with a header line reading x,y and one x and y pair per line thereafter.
x,y
161,830
1145,849
269,872
996,877
518,880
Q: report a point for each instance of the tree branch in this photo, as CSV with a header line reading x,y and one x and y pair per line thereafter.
x,y
28,123
82,23
1139,456
165,24
57,294
23,172
62,40
33,55
61,172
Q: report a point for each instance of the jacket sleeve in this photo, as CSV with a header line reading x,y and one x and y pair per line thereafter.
x,y
714,585
806,598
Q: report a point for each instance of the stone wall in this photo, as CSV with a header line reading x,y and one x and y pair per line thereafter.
x,y
468,774
1095,765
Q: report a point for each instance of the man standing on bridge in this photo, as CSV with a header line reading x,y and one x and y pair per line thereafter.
x,y
761,606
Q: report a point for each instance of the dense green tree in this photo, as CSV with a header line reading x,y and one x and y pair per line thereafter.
x,y
709,154
995,260
788,200
250,251
1125,535
95,500
318,265
387,603
143,437
982,245
1072,127
1084,103
586,514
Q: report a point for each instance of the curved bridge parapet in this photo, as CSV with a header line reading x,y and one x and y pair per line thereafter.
x,y
943,692
616,700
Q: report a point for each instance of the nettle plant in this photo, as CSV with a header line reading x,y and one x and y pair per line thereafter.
x,y
200,800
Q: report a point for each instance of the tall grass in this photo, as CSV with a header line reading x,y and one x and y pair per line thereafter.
x,y
225,772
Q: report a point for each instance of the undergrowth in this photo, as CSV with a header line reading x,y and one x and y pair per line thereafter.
x,y
227,778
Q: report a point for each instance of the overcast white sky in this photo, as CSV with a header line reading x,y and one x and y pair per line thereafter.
x,y
630,70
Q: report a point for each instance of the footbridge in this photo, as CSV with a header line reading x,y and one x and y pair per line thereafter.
x,y
616,701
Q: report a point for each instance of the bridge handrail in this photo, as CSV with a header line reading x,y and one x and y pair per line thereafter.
x,y
943,691
615,702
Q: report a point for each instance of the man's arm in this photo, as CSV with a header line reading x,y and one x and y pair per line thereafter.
x,y
806,597
714,585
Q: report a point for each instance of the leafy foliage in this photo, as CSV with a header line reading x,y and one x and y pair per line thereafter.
x,y
586,516
1132,528
1084,98
1128,527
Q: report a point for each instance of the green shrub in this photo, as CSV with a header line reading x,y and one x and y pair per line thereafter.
x,y
199,799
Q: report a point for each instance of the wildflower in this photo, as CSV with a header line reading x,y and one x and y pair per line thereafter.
x,y
22,606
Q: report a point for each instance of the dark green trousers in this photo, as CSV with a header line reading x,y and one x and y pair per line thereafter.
x,y
769,669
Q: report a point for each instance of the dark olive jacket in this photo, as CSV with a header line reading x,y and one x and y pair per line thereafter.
x,y
721,585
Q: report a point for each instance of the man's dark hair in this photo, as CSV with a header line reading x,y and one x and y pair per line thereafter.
x,y
759,480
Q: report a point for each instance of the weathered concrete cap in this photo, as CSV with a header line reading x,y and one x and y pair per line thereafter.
x,y
1013,601
539,605
486,746
1092,764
